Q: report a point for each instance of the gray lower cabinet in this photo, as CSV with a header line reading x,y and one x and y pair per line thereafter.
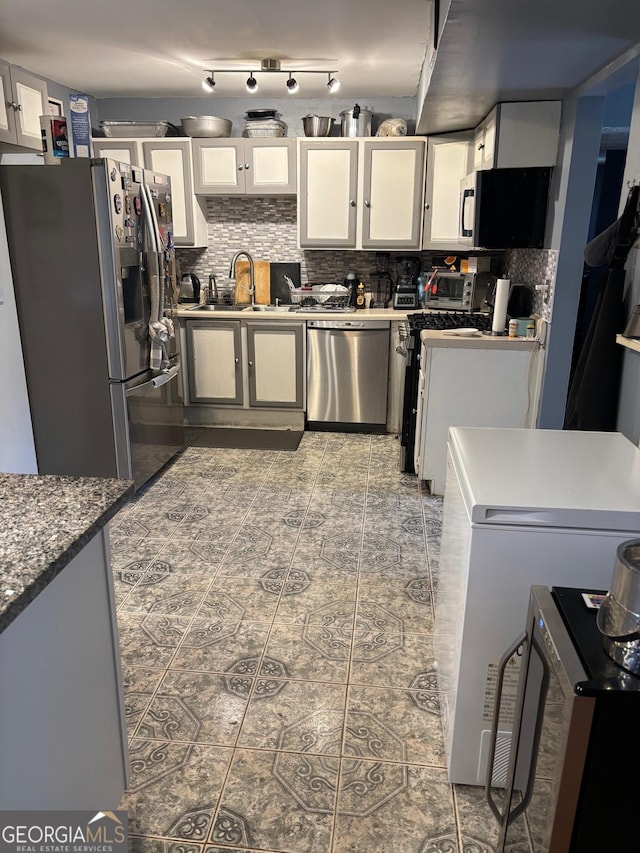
x,y
63,739
250,364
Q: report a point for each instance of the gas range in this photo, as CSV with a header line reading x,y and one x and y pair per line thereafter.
x,y
442,320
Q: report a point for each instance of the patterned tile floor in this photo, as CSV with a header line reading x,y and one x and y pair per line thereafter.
x,y
276,619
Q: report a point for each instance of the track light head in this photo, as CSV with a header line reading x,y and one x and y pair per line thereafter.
x,y
333,85
252,84
292,85
208,84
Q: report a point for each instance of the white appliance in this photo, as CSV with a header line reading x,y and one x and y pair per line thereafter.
x,y
521,507
476,380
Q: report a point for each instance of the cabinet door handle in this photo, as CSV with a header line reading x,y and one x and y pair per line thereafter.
x,y
481,146
240,167
237,361
427,206
352,202
367,204
250,364
246,165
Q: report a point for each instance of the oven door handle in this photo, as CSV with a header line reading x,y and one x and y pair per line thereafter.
x,y
156,382
506,657
544,686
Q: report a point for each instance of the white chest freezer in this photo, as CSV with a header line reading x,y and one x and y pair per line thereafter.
x,y
521,507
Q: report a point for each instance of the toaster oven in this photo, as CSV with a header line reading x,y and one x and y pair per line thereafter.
x,y
457,291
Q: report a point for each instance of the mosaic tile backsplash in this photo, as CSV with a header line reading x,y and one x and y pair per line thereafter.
x,y
267,228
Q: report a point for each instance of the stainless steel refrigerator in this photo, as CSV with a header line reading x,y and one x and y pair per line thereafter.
x,y
90,244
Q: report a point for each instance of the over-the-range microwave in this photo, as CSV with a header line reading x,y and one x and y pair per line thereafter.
x,y
504,208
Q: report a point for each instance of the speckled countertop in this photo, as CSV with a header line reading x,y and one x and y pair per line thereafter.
x,y
44,522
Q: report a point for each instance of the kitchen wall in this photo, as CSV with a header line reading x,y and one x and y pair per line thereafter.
x,y
292,109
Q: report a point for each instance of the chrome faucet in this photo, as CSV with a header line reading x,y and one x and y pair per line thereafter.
x,y
232,273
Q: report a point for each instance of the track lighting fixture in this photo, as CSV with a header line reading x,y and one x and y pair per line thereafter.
x,y
208,84
333,85
268,66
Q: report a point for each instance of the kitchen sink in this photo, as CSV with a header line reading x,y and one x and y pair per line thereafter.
x,y
280,308
220,306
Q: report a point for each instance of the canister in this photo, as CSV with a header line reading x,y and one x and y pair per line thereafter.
x,y
356,122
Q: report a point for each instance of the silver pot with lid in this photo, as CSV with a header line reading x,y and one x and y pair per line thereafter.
x,y
356,122
619,615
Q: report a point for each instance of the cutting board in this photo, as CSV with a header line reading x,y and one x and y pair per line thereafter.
x,y
261,280
279,287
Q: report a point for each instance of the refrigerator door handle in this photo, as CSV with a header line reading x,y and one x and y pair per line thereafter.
x,y
156,382
544,686
522,639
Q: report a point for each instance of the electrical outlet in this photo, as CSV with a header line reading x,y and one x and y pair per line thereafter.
x,y
545,289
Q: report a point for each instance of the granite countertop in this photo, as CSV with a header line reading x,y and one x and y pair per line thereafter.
x,y
44,522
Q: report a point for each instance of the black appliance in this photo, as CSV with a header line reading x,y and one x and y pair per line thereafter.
x,y
504,208
416,323
189,287
574,750
380,282
405,292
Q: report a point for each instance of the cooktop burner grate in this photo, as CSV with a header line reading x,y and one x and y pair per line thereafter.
x,y
441,320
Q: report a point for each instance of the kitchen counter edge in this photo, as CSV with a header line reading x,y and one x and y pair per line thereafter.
x,y
45,521
246,314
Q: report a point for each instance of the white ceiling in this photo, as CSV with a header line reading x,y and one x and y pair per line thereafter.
x,y
147,48
490,50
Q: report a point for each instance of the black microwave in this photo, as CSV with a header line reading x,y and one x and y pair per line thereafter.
x,y
457,291
504,208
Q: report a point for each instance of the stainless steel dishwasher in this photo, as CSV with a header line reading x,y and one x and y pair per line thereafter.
x,y
347,374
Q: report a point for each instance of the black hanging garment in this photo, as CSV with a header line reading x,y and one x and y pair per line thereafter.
x,y
592,402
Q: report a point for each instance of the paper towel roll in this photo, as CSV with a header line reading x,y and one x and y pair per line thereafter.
x,y
503,288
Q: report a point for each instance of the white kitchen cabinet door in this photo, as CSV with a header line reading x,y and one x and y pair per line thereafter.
x,y
327,193
261,166
518,134
270,166
214,359
218,166
391,206
447,164
276,364
122,150
24,100
172,157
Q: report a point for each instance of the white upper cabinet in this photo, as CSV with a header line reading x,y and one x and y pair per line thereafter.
x,y
517,135
170,156
361,193
23,100
448,162
259,166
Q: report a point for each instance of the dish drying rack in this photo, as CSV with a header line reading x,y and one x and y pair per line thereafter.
x,y
329,296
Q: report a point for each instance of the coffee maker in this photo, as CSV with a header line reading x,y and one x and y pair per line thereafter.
x,y
405,292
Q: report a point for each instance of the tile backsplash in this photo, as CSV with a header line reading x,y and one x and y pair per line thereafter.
x,y
267,228
532,267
